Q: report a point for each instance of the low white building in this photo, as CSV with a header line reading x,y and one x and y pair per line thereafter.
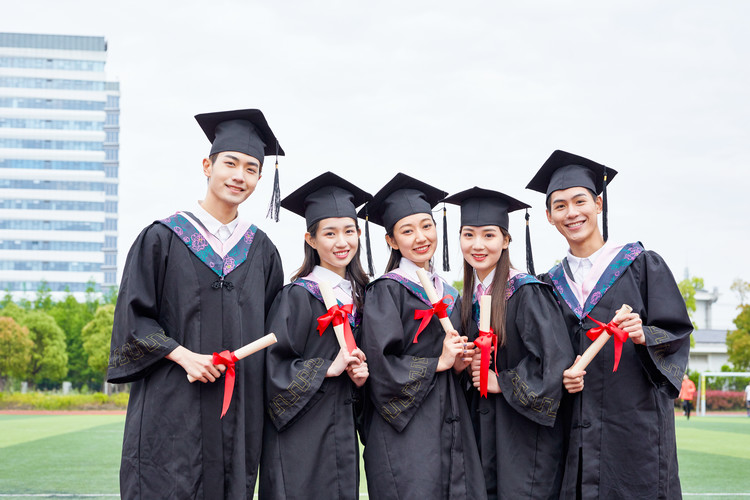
x,y
710,350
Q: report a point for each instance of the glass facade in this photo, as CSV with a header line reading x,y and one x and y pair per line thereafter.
x,y
37,119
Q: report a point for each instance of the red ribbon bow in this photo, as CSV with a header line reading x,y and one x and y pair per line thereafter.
x,y
440,308
339,315
485,342
611,328
228,359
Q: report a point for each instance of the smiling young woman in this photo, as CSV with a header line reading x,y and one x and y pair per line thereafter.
x,y
420,442
311,382
520,441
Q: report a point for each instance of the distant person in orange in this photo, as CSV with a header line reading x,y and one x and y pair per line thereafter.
x,y
687,393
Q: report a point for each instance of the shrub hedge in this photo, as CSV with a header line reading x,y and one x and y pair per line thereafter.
x,y
51,401
720,400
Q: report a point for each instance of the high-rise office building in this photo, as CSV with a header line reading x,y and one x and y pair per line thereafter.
x,y
59,159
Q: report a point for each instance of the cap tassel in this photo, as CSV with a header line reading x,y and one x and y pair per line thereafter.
x,y
275,205
604,208
529,256
367,244
446,257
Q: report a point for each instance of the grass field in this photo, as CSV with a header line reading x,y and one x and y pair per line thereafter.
x,y
77,456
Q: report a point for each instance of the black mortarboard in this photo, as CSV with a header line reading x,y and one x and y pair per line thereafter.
x,y
327,195
564,170
242,130
484,207
401,197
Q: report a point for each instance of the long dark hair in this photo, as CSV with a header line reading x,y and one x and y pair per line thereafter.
x,y
355,273
502,272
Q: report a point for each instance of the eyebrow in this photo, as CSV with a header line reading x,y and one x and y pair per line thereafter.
x,y
560,200
232,157
330,228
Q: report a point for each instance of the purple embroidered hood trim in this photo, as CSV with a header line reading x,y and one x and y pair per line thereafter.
x,y
200,247
615,269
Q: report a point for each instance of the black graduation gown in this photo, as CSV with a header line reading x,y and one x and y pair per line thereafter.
x,y
419,442
310,446
175,444
520,438
623,422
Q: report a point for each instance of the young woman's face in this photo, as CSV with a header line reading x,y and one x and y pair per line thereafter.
x,y
482,247
336,242
415,236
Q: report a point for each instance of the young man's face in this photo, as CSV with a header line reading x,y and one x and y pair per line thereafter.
x,y
574,212
231,178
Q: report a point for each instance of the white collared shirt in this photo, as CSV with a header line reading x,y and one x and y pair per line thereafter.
x,y
342,287
483,287
221,231
580,266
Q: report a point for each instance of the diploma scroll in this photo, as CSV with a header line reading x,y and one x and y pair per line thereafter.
x,y
329,299
433,297
589,354
485,309
248,349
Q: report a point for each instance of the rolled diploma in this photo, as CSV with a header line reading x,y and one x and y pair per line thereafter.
x,y
485,307
589,354
249,349
432,296
329,299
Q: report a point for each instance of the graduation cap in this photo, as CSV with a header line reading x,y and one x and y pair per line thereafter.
x,y
401,197
327,195
564,170
484,207
245,131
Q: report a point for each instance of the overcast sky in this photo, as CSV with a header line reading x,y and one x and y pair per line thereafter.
x,y
457,95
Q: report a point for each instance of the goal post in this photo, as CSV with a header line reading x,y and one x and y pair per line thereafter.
x,y
702,386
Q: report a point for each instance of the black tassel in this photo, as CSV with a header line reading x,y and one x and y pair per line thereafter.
x,y
367,244
446,257
604,207
275,205
529,256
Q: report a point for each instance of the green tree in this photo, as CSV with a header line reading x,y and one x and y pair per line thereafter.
x,y
738,341
49,359
96,337
742,289
43,301
688,287
15,350
72,316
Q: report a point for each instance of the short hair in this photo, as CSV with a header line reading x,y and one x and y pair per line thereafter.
x,y
549,198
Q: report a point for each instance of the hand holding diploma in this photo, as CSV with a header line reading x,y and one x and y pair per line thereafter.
x,y
485,342
573,376
225,360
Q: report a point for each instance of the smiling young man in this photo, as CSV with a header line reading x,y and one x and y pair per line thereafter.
x,y
195,283
622,440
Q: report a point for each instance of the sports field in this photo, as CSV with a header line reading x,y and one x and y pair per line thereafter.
x,y
77,456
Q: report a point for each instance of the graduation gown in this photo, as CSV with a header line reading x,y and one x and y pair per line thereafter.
x,y
519,436
176,291
417,426
310,446
622,423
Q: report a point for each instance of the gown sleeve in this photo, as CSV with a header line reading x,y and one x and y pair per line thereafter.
x,y
292,381
398,382
138,340
666,325
274,277
533,387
